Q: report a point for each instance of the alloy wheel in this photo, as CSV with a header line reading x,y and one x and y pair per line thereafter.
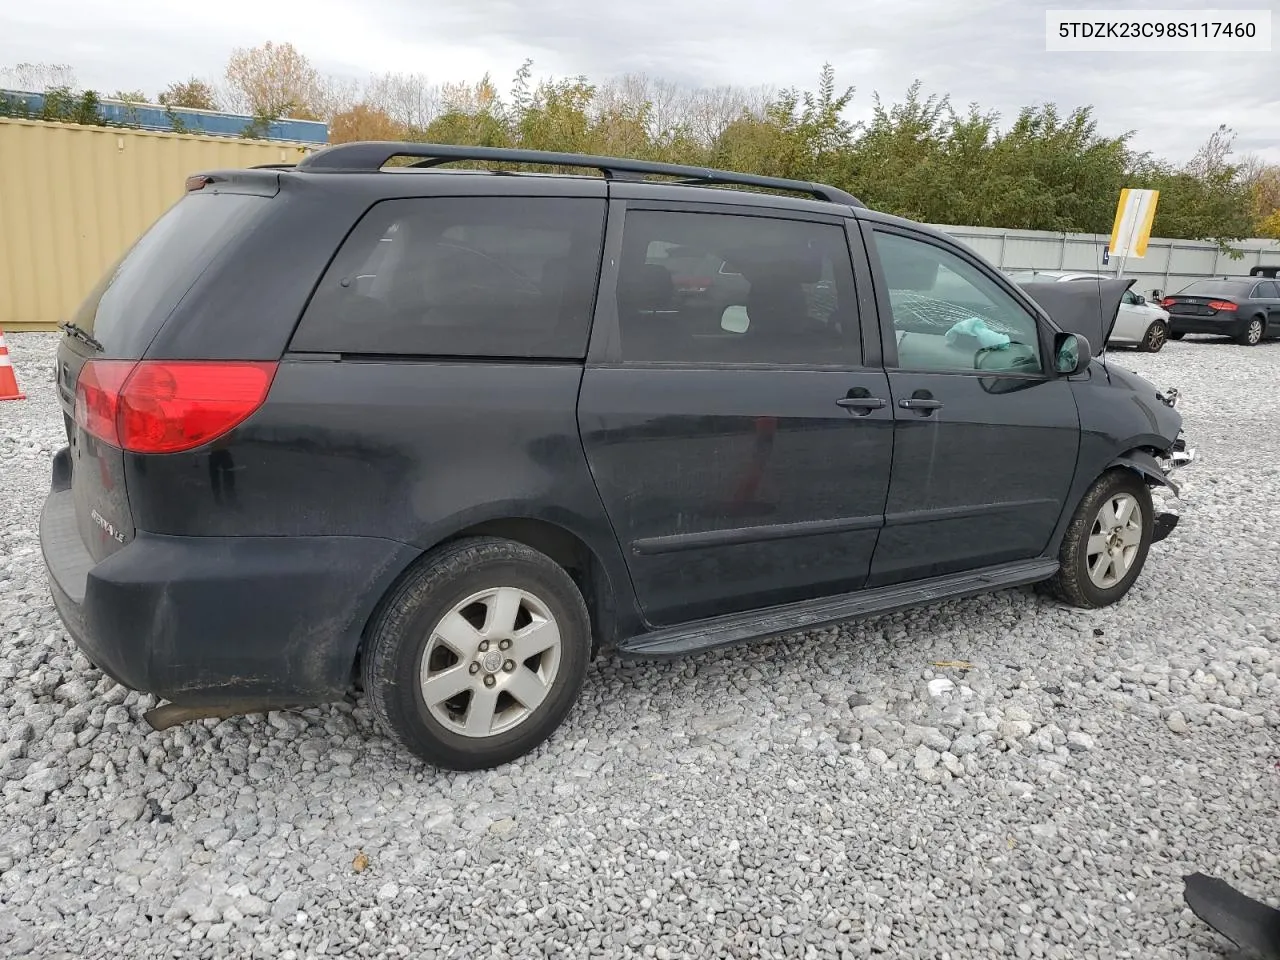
x,y
1114,540
490,662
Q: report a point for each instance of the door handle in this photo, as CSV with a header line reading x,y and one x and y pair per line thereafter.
x,y
919,403
861,403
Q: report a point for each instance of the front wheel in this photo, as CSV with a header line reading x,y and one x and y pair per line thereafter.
x,y
1155,337
1251,336
478,655
1106,544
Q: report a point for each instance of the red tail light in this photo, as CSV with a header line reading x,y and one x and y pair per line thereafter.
x,y
1221,305
167,406
1168,302
98,397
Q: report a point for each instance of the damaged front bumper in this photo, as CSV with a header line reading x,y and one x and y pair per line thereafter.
x,y
1179,455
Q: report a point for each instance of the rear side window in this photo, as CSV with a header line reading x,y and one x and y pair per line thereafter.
x,y
462,276
135,296
715,288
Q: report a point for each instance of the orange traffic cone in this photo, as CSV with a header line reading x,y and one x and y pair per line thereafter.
x,y
8,382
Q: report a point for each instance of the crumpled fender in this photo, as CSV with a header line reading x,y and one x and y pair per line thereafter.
x,y
1147,466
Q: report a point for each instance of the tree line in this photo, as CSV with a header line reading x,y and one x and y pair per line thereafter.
x,y
921,157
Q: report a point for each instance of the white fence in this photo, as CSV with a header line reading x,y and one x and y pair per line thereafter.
x,y
1167,267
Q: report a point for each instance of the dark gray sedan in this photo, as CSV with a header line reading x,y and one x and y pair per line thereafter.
x,y
1246,309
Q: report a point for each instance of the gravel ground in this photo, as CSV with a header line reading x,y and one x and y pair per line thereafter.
x,y
809,797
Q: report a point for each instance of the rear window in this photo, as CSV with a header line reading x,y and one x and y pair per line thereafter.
x,y
1216,288
462,276
139,291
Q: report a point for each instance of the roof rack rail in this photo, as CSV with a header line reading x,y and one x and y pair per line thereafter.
x,y
372,156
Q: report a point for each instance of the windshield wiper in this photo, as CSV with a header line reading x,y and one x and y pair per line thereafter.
x,y
84,336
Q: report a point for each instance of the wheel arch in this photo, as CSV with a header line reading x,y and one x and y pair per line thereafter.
x,y
562,545
1142,461
571,552
1138,454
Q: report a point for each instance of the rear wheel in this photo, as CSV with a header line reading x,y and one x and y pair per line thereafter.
x,y
1155,337
478,655
1106,544
1251,335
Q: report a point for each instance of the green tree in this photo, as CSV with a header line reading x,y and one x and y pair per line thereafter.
x,y
193,94
556,118
1205,199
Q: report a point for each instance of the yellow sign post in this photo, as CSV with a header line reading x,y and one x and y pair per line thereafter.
x,y
1131,231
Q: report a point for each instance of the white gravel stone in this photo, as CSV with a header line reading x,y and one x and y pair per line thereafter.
x,y
819,796
926,759
1079,742
1015,729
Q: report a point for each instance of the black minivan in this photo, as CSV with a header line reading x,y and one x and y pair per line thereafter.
x,y
442,434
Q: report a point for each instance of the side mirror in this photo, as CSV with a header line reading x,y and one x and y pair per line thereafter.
x,y
1072,354
1139,299
734,320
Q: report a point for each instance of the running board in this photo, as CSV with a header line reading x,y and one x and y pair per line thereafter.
x,y
716,632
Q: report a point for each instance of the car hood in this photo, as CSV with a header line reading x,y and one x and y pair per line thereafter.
x,y
1087,308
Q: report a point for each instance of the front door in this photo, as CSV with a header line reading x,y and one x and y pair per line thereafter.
x,y
985,436
1132,318
740,448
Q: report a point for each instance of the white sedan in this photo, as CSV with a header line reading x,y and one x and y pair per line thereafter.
x,y
1139,323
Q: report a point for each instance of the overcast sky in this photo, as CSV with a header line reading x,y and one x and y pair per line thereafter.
x,y
991,52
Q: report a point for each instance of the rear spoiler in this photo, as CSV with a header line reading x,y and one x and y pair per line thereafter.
x,y
259,181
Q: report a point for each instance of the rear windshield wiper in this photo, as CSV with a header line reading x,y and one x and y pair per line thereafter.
x,y
84,336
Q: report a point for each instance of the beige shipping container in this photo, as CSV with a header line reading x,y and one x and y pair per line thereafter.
x,y
73,198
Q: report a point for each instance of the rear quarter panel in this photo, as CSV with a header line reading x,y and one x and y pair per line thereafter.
x,y
406,450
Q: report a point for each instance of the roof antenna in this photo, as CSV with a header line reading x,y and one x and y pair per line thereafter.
x,y
1102,349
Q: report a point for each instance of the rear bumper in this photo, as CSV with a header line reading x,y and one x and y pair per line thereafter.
x,y
1224,326
219,620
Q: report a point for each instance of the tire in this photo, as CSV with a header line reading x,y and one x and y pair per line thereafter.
x,y
1073,582
464,584
1176,335
1252,334
1155,337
